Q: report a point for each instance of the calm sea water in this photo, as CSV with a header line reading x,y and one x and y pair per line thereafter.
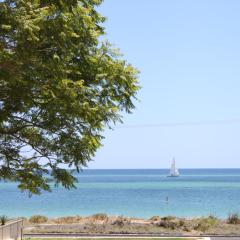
x,y
140,193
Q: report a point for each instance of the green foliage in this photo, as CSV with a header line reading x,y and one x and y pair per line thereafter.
x,y
166,223
171,222
38,219
206,223
60,87
3,219
233,219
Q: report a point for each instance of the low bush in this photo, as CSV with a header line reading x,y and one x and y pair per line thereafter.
x,y
100,217
169,222
206,223
233,219
186,229
155,218
3,219
121,221
36,219
168,218
181,223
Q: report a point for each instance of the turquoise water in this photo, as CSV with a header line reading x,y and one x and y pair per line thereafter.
x,y
140,193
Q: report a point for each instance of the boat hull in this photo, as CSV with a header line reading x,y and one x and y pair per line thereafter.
x,y
174,176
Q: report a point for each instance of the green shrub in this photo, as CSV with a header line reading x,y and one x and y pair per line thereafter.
x,y
38,219
233,219
169,222
3,219
206,223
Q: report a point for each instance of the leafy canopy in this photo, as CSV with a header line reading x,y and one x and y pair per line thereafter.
x,y
60,86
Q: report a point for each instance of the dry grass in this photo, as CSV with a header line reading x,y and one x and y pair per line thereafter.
x,y
38,219
100,216
101,223
68,220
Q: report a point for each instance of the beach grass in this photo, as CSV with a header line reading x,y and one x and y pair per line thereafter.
x,y
103,224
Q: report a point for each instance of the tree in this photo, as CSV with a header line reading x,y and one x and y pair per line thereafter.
x,y
60,87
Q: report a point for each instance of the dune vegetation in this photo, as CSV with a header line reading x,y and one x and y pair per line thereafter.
x,y
103,224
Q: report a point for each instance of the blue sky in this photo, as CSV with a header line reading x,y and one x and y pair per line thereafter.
x,y
188,53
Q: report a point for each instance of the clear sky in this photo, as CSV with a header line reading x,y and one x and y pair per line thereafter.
x,y
188,53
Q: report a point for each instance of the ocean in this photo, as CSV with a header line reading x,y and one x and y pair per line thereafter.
x,y
135,193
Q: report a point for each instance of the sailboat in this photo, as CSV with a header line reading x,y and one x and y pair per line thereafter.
x,y
173,170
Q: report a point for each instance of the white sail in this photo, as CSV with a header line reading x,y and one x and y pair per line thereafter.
x,y
174,171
